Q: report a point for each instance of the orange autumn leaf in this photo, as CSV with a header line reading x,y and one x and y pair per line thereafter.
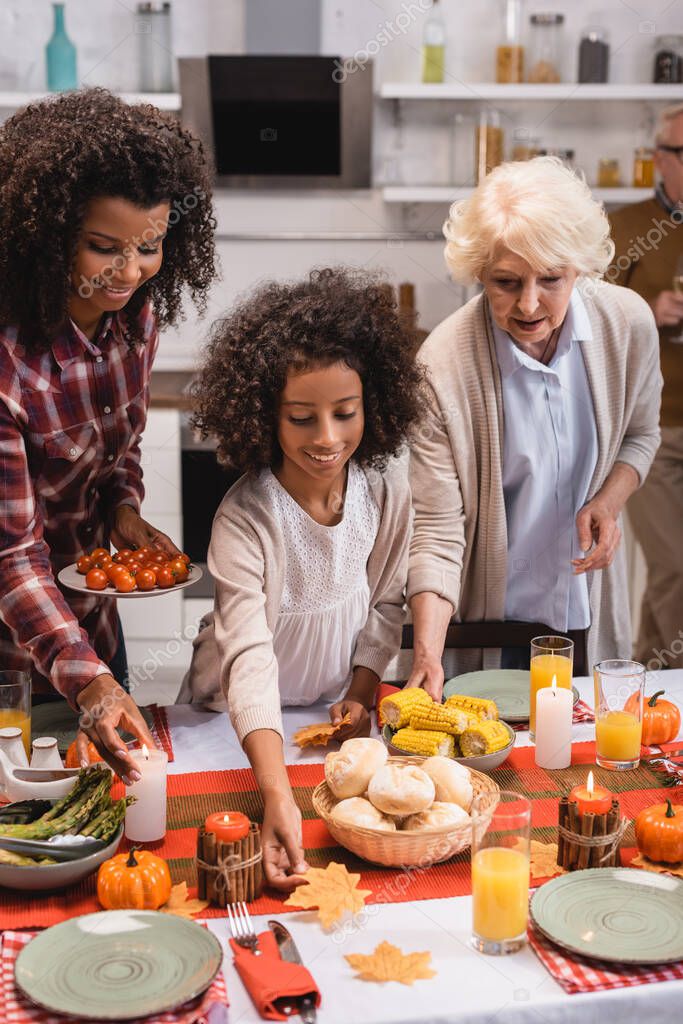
x,y
320,734
179,904
331,891
544,860
388,963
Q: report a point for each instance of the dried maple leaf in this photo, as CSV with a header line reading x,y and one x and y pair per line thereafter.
x,y
388,963
320,734
639,861
331,890
179,904
544,860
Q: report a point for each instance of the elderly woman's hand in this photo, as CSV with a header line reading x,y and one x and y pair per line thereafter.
x,y
596,522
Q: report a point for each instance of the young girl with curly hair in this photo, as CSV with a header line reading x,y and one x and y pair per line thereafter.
x,y
105,218
309,389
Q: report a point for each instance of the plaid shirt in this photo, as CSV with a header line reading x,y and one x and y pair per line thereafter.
x,y
71,420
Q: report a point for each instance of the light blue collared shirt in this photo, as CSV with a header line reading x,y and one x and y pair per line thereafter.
x,y
550,449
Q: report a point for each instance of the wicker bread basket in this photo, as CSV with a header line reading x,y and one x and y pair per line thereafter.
x,y
402,849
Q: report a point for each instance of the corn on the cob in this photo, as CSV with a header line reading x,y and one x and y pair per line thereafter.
x,y
423,741
484,738
397,708
441,719
483,709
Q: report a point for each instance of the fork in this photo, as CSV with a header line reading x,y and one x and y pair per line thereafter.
x,y
242,928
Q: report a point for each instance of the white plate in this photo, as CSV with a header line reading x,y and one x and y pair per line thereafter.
x,y
70,577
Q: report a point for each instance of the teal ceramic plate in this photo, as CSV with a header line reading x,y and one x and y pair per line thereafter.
x,y
483,762
507,686
616,914
57,719
118,964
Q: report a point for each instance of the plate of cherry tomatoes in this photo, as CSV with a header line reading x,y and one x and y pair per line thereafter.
x,y
143,572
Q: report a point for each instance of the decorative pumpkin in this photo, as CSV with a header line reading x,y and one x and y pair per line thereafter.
x,y
659,833
72,760
661,718
138,880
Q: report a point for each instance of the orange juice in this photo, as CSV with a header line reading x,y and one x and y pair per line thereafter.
x,y
617,736
500,893
17,717
543,668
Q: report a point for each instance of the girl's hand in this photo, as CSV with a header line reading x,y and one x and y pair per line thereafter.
x,y
106,707
360,723
282,844
132,531
427,672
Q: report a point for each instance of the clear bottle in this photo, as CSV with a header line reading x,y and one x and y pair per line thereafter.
x,y
546,47
155,53
643,168
434,46
510,52
489,143
594,55
60,56
668,67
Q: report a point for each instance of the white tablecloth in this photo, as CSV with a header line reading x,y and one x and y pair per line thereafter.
x,y
469,988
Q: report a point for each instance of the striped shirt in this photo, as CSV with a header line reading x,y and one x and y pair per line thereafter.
x,y
71,420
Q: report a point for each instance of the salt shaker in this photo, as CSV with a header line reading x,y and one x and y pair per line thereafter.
x,y
45,753
12,745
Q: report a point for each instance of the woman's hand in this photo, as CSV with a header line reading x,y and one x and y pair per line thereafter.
x,y
281,842
130,530
596,522
427,672
105,708
360,723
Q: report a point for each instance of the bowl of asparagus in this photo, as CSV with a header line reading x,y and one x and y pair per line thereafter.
x,y
51,845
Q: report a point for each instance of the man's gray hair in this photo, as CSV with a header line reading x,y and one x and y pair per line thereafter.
x,y
664,119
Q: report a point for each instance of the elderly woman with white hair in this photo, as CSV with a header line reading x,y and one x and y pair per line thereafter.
x,y
544,396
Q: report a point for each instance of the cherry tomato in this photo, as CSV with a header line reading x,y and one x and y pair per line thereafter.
x,y
114,570
99,553
84,564
124,583
179,569
186,558
165,577
146,579
157,558
122,554
142,555
96,579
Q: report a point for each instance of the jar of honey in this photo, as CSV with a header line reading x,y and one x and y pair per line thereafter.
x,y
643,168
609,174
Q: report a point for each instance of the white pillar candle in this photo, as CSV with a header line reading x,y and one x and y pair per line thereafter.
x,y
554,708
146,818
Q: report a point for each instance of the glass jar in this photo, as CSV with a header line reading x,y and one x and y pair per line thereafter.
x,y
593,55
644,168
525,149
609,173
668,59
155,53
510,53
545,47
434,46
489,143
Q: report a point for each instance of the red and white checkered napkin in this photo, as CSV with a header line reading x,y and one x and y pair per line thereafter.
x,y
15,1009
578,974
581,713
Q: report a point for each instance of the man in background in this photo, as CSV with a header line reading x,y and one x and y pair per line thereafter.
x,y
649,258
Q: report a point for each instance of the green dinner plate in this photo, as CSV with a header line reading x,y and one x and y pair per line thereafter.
x,y
621,915
508,687
57,718
118,964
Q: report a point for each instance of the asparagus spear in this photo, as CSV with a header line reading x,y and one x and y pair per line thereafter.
x,y
71,818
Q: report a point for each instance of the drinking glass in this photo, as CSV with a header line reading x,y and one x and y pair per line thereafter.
x,y
619,690
15,704
550,656
501,827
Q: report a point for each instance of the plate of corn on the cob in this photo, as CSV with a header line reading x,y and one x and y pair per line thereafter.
x,y
466,728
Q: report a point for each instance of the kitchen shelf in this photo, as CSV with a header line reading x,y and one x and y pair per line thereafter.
x,y
449,194
564,91
162,100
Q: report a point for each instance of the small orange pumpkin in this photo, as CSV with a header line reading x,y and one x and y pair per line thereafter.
x,y
138,880
72,760
659,833
661,718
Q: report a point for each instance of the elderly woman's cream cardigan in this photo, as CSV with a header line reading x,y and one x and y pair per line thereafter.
x,y
459,544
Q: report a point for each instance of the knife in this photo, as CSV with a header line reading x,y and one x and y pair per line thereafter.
x,y
288,951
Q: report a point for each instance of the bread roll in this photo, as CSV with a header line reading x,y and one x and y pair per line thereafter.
x,y
436,816
357,811
401,789
452,781
348,771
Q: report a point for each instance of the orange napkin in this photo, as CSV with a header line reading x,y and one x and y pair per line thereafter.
x,y
267,977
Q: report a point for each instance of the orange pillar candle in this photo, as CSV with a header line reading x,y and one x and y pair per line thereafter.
x,y
591,798
227,826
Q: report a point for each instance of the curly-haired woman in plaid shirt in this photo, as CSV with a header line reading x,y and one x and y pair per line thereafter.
x,y
105,218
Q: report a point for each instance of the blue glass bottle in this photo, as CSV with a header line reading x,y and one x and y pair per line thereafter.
x,y
60,54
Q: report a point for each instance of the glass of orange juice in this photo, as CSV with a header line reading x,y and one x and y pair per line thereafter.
x,y
15,704
619,689
501,828
550,656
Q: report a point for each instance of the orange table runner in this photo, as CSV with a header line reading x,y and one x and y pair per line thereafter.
x,y
193,796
